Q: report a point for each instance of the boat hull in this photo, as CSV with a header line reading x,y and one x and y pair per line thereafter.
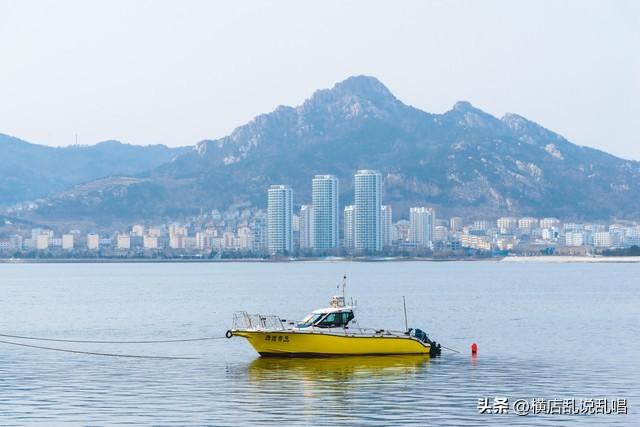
x,y
301,344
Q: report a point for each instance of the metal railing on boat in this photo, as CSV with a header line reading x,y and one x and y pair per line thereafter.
x,y
264,322
244,320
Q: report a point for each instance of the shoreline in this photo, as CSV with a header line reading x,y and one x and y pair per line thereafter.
x,y
559,259
243,260
509,259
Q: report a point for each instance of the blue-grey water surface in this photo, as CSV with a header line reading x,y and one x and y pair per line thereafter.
x,y
543,330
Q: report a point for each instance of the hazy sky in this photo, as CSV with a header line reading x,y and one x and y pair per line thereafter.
x,y
177,72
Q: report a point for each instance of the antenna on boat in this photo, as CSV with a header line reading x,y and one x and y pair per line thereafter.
x,y
344,284
404,305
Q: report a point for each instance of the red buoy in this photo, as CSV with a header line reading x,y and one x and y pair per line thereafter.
x,y
474,348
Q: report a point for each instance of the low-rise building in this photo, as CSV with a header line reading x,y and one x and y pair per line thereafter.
x,y
527,224
455,224
150,242
5,245
574,238
67,242
42,242
93,241
441,233
137,230
603,239
506,225
549,223
475,242
480,225
245,238
123,241
550,234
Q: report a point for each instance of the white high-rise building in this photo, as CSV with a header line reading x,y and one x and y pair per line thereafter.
x,y
325,212
348,221
386,218
306,226
422,221
280,219
367,224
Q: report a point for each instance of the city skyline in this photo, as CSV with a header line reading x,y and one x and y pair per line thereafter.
x,y
367,228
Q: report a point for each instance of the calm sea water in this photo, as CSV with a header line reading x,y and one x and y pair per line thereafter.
x,y
543,330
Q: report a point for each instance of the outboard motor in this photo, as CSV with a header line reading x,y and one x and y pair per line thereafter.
x,y
435,349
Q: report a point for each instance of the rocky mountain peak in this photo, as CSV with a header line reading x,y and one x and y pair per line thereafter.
x,y
363,86
464,107
467,116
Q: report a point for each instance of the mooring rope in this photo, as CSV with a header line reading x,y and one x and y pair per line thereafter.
x,y
449,348
94,353
109,342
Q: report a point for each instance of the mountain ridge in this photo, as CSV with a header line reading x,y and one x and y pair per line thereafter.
x,y
464,161
29,171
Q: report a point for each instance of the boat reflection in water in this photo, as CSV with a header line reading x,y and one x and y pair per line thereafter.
x,y
345,386
337,368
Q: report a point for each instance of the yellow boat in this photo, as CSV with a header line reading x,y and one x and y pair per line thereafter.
x,y
331,331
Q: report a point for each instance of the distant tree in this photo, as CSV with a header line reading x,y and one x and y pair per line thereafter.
x,y
632,251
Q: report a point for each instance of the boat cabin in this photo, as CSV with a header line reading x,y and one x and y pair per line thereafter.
x,y
336,316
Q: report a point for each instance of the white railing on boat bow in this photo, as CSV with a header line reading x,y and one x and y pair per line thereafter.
x,y
265,322
258,322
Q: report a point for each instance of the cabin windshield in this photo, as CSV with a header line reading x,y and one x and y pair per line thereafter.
x,y
336,320
310,320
